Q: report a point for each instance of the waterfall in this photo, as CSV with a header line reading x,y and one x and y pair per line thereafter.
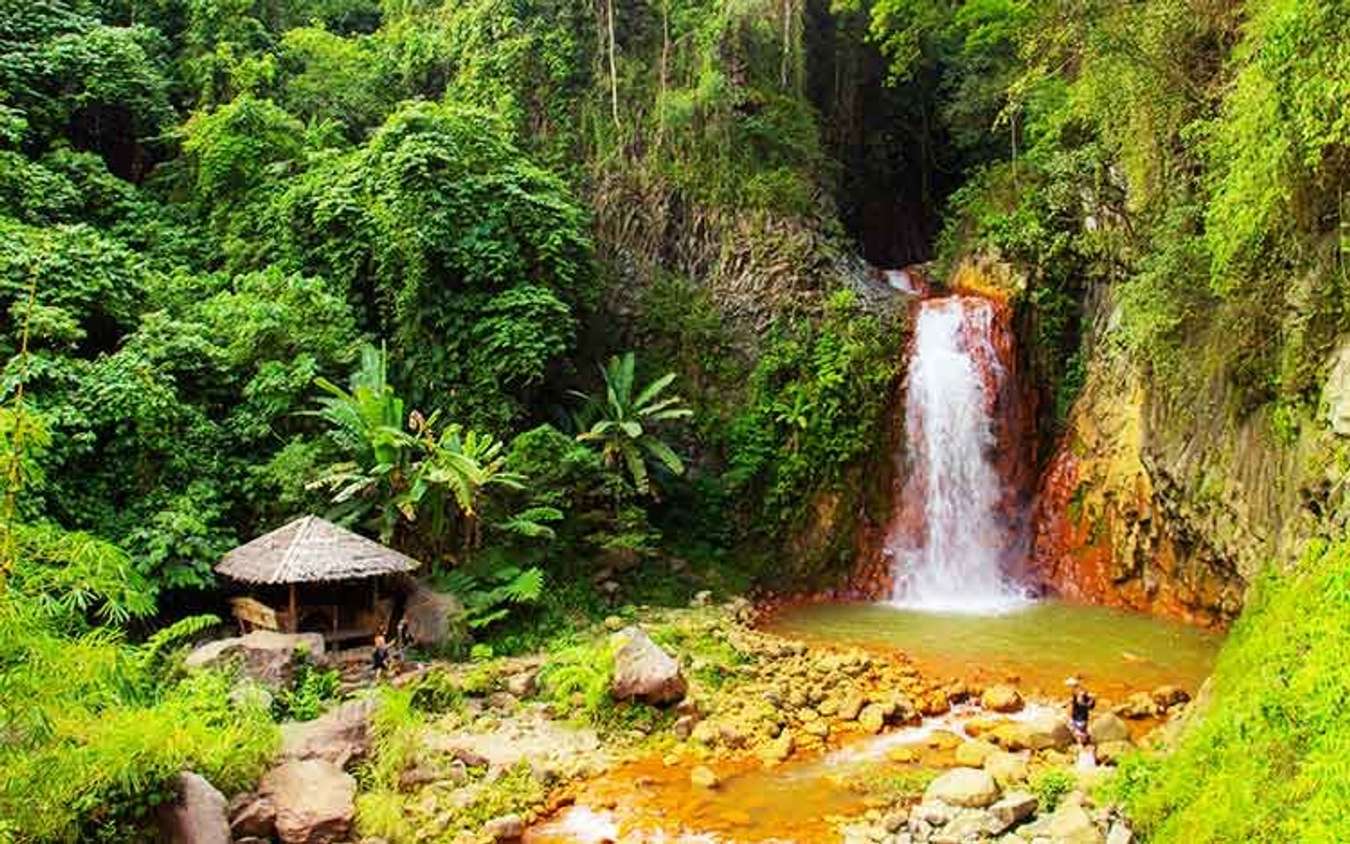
x,y
951,536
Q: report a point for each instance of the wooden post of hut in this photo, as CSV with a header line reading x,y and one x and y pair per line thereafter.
x,y
322,569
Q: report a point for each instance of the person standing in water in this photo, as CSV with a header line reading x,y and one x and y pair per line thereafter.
x,y
1080,710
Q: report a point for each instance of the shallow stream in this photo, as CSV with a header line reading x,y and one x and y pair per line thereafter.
x,y
1040,645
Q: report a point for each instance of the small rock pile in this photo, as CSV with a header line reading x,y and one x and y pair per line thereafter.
x,y
968,806
797,697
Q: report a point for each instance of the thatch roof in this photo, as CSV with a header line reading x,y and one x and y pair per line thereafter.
x,y
310,550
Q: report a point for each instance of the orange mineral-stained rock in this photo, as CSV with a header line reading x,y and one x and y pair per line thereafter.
x,y
1101,532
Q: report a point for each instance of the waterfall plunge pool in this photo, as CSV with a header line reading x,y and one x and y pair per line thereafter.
x,y
1040,644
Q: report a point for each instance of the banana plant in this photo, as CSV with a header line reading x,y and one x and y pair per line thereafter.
x,y
623,422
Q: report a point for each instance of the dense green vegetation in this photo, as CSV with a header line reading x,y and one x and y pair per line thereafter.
x,y
94,726
209,208
369,260
553,294
1267,760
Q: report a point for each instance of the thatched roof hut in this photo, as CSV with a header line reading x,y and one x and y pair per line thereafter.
x,y
324,561
312,550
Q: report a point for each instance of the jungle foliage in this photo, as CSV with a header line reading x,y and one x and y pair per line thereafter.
x,y
368,259
209,208
1265,762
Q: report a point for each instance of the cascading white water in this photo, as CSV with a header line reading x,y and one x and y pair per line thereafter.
x,y
903,281
949,540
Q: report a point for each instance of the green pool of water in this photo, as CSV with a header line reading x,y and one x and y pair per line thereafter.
x,y
1042,644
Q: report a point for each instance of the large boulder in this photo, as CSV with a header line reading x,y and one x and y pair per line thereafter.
x,y
969,825
1138,705
643,671
1013,808
704,777
313,800
1007,768
970,787
339,735
264,655
1168,696
1071,824
196,815
1107,727
1039,733
972,754
872,718
252,816
504,828
434,619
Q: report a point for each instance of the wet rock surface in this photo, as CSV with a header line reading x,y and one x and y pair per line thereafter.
x,y
340,735
779,708
314,801
971,787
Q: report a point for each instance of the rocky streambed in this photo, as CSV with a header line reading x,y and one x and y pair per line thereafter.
x,y
686,725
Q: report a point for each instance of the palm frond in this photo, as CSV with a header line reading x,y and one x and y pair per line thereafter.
x,y
653,389
663,452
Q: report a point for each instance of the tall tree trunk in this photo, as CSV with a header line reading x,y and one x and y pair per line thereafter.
x,y
787,41
14,477
613,70
665,58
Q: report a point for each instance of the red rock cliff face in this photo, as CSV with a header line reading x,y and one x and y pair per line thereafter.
x,y
1171,498
1101,530
1157,499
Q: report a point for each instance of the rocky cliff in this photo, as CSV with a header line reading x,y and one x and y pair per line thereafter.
x,y
1171,501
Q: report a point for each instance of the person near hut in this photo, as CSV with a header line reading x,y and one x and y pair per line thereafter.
x,y
379,656
402,634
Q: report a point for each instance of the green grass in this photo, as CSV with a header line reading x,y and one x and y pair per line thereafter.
x,y
1270,759
1051,786
887,783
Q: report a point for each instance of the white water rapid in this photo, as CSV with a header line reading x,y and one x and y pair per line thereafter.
x,y
949,539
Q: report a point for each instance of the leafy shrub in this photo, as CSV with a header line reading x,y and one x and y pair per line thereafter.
x,y
577,679
436,692
819,395
489,591
310,692
1266,760
1051,786
93,741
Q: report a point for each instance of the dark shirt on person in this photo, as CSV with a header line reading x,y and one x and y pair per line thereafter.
x,y
1081,707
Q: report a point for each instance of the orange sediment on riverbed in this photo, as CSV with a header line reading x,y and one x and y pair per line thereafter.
x,y
648,800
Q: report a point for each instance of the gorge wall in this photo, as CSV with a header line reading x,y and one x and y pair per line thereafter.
x,y
1149,495
1172,502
